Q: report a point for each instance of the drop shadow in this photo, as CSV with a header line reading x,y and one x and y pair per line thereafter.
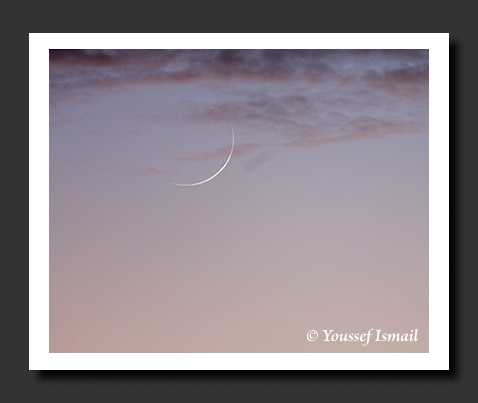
x,y
330,376
456,175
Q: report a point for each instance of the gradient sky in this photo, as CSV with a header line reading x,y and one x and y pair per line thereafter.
x,y
319,221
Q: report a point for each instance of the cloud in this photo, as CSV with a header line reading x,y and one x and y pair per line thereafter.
x,y
70,69
239,151
278,98
58,123
361,128
257,161
409,81
254,109
315,119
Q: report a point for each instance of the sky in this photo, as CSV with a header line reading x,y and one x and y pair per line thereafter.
x,y
318,221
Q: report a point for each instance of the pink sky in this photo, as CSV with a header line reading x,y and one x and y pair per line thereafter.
x,y
319,221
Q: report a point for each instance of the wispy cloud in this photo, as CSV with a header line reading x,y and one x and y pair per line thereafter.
x,y
239,151
360,128
315,119
258,161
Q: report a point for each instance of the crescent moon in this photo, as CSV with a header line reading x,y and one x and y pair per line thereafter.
x,y
212,177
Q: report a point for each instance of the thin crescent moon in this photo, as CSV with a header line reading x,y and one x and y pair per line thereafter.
x,y
217,173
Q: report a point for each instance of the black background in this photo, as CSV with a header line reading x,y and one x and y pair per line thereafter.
x,y
458,19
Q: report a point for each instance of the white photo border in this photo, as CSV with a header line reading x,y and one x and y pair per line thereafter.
x,y
438,356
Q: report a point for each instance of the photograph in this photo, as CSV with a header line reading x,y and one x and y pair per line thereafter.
x,y
238,201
